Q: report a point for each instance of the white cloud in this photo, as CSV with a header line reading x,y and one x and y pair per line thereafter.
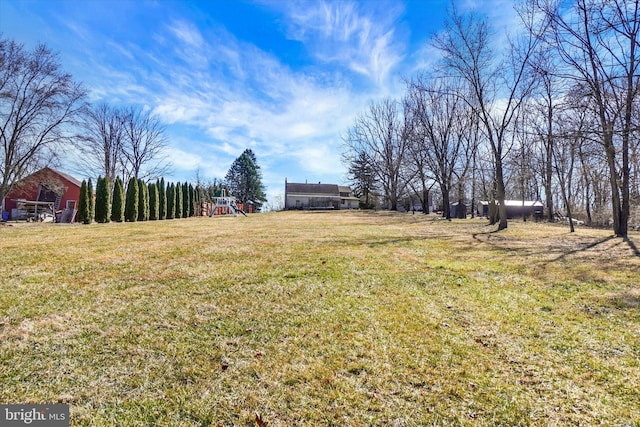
x,y
181,159
360,37
187,33
316,158
191,47
269,106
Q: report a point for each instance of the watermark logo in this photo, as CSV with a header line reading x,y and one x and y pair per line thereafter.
x,y
34,415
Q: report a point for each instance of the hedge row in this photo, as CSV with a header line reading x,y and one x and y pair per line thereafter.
x,y
140,201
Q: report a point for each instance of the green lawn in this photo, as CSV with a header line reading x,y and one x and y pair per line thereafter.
x,y
303,318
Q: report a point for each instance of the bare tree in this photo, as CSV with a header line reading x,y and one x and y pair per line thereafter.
x,y
143,145
597,41
103,143
439,123
594,182
566,155
524,164
542,119
381,134
38,102
634,160
496,89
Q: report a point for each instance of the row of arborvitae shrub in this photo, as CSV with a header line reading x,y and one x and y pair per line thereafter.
x,y
141,202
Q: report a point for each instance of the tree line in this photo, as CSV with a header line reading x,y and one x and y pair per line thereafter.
x,y
549,113
139,201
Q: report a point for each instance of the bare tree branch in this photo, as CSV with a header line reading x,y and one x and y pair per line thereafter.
x,y
143,145
38,104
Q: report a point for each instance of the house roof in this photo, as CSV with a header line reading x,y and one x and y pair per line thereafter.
x,y
47,171
294,187
519,203
68,177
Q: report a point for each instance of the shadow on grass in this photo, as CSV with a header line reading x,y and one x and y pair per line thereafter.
x,y
566,253
624,300
476,236
562,252
627,240
633,246
390,241
397,241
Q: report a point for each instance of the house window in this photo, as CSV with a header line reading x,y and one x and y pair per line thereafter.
x,y
297,203
71,204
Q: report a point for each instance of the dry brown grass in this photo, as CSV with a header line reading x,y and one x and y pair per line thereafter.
x,y
343,318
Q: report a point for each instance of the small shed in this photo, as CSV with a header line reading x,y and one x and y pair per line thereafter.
x,y
526,208
516,208
458,210
48,188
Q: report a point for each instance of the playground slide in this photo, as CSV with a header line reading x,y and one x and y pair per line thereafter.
x,y
237,209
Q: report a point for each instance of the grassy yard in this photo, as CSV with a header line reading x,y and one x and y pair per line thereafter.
x,y
342,318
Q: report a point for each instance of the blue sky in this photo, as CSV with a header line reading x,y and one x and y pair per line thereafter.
x,y
284,78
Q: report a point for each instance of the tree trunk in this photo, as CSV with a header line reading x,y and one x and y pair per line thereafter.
x,y
425,201
500,196
616,204
548,180
565,197
587,185
446,207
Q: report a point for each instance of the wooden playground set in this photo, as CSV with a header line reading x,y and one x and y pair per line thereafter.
x,y
224,205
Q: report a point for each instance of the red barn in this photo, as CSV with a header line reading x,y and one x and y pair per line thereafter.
x,y
44,188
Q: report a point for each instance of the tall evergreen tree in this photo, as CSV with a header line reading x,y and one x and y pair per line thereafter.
x,y
83,204
363,179
131,206
178,189
140,200
117,207
198,200
193,201
98,204
153,202
185,200
145,191
91,201
143,201
162,199
171,201
244,179
102,200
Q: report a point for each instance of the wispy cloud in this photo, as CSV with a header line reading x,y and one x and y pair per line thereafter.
x,y
287,117
187,33
188,44
361,36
